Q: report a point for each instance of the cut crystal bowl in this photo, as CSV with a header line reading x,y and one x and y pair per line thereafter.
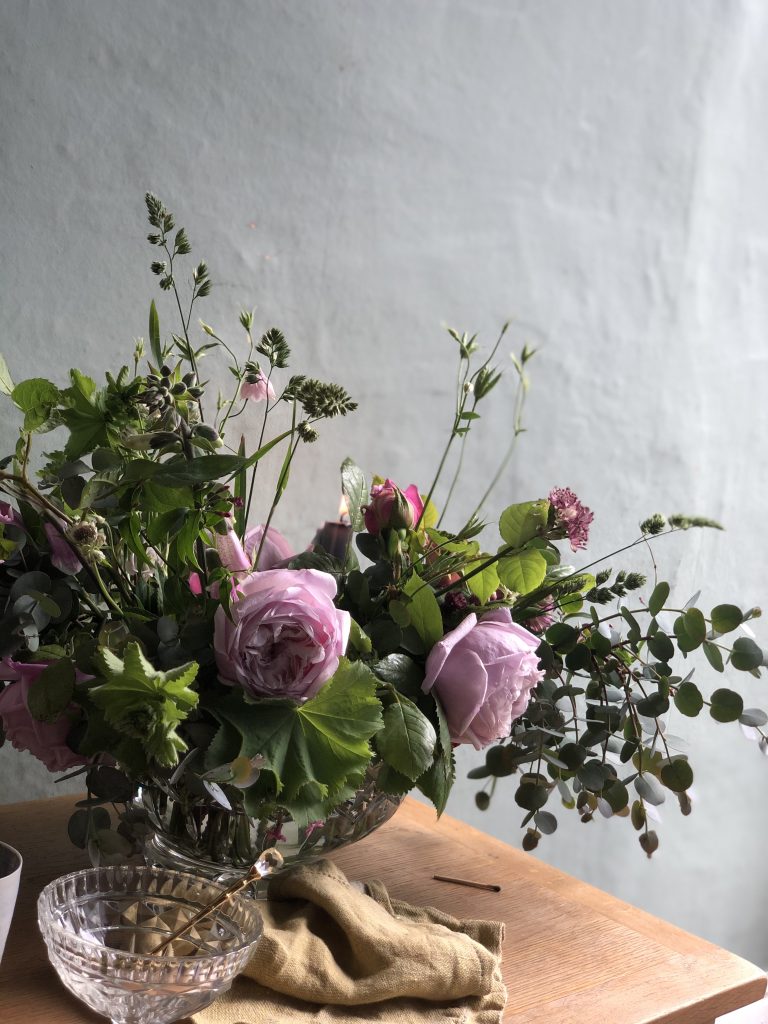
x,y
101,924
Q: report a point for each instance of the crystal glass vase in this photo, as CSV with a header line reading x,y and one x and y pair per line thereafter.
x,y
101,925
192,832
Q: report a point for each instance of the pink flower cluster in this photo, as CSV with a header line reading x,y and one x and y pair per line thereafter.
x,y
572,516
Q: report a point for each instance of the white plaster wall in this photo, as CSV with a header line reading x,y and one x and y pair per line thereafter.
x,y
365,172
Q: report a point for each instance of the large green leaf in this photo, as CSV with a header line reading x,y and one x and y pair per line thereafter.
x,y
36,398
424,611
522,571
407,741
316,749
520,523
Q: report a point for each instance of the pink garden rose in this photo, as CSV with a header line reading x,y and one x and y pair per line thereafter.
x,y
258,389
483,672
285,636
381,511
47,741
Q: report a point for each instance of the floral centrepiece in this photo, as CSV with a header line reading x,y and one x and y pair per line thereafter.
x,y
156,634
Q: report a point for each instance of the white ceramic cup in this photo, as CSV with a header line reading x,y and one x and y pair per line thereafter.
x,y
10,872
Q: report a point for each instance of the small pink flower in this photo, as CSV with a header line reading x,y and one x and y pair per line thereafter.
x,y
63,556
275,834
572,516
544,619
257,390
8,513
313,827
195,584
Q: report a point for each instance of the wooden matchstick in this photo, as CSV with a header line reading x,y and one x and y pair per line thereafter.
x,y
487,886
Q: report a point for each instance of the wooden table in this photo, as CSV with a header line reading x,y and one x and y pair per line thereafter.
x,y
572,955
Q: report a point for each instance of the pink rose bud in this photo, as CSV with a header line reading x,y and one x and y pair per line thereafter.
x,y
483,673
195,583
283,636
257,388
391,507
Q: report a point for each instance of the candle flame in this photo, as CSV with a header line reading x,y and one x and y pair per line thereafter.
x,y
343,509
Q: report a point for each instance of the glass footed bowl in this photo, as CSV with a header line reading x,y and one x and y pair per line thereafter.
x,y
100,924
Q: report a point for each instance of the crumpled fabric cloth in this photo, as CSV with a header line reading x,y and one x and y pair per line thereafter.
x,y
332,952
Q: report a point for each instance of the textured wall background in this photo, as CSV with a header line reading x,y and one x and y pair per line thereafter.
x,y
365,173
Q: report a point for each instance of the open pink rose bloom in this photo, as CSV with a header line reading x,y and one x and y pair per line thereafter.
x,y
483,673
285,636
47,741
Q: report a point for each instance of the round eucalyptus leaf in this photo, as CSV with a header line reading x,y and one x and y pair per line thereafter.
x,y
726,705
688,699
649,789
746,655
530,841
649,842
638,815
726,617
545,822
753,716
530,796
482,800
110,783
677,775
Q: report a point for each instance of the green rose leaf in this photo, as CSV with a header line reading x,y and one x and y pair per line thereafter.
x,y
726,705
483,583
522,571
746,655
402,672
355,490
407,741
436,783
424,611
520,523
726,618
658,598
143,703
51,693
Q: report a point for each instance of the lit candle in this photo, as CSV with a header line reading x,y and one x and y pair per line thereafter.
x,y
334,536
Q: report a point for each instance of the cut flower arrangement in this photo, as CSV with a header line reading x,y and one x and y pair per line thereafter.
x,y
156,642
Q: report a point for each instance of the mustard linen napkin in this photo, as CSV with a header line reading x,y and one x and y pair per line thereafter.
x,y
331,952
